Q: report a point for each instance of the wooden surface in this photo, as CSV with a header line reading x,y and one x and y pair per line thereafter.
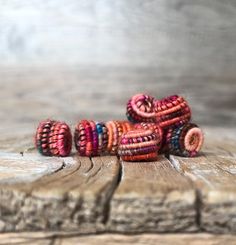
x,y
104,194
213,175
74,198
15,168
62,238
153,197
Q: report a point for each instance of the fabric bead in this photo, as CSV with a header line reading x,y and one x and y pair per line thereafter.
x,y
86,138
102,137
141,108
96,138
138,145
172,111
155,127
115,131
185,140
53,138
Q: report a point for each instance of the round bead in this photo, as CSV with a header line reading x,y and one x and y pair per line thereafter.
x,y
86,138
185,140
95,138
153,126
138,145
115,130
53,138
172,111
141,108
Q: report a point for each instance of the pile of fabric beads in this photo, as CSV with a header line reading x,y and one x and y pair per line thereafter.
x,y
153,127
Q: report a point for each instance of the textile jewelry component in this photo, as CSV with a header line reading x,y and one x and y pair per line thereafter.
x,y
96,138
102,137
185,140
172,111
115,130
53,138
138,145
141,108
86,138
155,127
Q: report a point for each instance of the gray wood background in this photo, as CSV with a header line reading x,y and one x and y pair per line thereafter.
x,y
85,58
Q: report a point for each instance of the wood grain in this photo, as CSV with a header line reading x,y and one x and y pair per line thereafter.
x,y
214,177
220,141
75,198
151,239
153,197
63,238
15,168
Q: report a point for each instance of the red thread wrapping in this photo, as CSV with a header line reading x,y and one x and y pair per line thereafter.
x,y
97,138
138,145
172,111
53,138
141,108
185,140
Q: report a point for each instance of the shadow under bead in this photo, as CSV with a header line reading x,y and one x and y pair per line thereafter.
x,y
138,145
53,138
185,140
172,111
141,108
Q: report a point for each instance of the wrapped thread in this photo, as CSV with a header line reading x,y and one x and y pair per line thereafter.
x,y
53,138
155,127
86,138
167,118
141,108
96,138
185,140
172,111
138,145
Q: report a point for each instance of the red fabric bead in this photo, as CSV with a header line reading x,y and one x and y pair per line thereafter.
x,y
141,108
172,111
53,138
185,140
138,145
155,127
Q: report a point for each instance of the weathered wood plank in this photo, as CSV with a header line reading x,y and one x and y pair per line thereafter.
x,y
153,197
75,198
215,179
17,137
220,141
150,239
17,168
63,238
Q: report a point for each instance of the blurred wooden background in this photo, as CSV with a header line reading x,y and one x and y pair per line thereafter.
x,y
85,58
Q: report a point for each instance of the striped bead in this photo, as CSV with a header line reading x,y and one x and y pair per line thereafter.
x,y
185,140
86,138
97,138
172,111
53,138
153,126
115,131
141,108
138,145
